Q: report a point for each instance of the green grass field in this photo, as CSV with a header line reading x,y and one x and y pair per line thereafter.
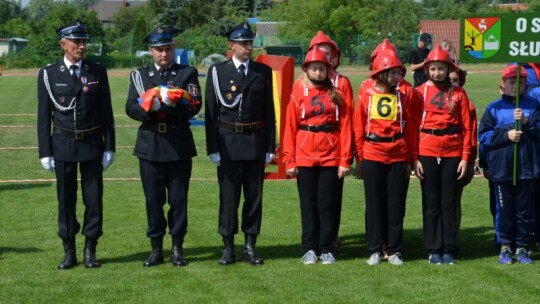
x,y
30,249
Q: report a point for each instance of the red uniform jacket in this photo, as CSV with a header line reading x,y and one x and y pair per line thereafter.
x,y
384,116
445,108
310,106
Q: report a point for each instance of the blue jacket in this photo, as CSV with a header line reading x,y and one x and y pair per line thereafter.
x,y
497,150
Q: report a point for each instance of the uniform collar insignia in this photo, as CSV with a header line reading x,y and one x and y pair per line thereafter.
x,y
173,72
62,68
86,67
151,73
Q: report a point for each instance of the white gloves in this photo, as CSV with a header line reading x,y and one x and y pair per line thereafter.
x,y
269,157
48,163
215,158
108,158
156,105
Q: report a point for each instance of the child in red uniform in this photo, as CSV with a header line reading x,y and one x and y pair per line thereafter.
x,y
458,78
386,136
316,150
444,154
341,82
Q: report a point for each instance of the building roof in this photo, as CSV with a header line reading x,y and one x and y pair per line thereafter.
x,y
442,30
105,9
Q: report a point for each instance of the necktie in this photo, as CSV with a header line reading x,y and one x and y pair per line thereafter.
x,y
241,70
73,69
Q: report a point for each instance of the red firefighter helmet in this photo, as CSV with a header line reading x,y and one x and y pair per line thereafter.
x,y
315,55
385,60
439,54
321,38
385,45
510,71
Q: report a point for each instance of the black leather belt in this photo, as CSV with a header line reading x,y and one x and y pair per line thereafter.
x,y
439,132
377,138
78,134
328,127
162,127
241,127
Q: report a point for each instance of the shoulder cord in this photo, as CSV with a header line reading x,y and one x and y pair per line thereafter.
x,y
71,105
137,82
219,96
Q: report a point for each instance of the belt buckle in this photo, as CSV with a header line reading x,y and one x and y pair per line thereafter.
x,y
238,128
162,127
79,135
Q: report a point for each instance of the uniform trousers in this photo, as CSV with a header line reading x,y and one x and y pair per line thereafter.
x,y
317,189
513,213
439,200
166,181
92,195
385,188
233,177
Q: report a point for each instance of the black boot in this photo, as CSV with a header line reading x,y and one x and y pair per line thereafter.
x,y
249,251
177,256
90,260
70,257
156,256
228,256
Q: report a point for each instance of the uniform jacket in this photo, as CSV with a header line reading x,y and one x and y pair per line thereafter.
x,y
442,109
257,105
312,107
497,149
386,115
176,144
90,101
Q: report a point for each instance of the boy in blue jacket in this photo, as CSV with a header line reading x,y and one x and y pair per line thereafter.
x,y
497,134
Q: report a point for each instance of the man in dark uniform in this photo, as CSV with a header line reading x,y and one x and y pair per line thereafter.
x,y
417,56
240,137
76,128
165,145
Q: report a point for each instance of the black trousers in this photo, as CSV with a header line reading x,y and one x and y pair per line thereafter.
x,y
233,177
166,181
317,188
385,188
92,195
439,203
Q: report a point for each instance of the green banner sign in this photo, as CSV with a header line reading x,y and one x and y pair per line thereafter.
x,y
502,38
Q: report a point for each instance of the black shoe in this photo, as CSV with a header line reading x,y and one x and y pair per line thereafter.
x,y
251,257
155,258
177,257
90,260
69,260
228,256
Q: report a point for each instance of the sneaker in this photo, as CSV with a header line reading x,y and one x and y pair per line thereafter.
x,y
395,259
505,257
522,256
374,259
435,259
327,258
448,259
309,258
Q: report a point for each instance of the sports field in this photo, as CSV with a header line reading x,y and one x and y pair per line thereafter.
x,y
30,249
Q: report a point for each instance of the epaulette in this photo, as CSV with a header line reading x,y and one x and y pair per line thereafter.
x,y
50,65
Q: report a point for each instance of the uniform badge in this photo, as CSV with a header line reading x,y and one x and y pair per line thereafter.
x,y
173,72
228,95
193,90
62,68
62,99
151,74
86,67
233,88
